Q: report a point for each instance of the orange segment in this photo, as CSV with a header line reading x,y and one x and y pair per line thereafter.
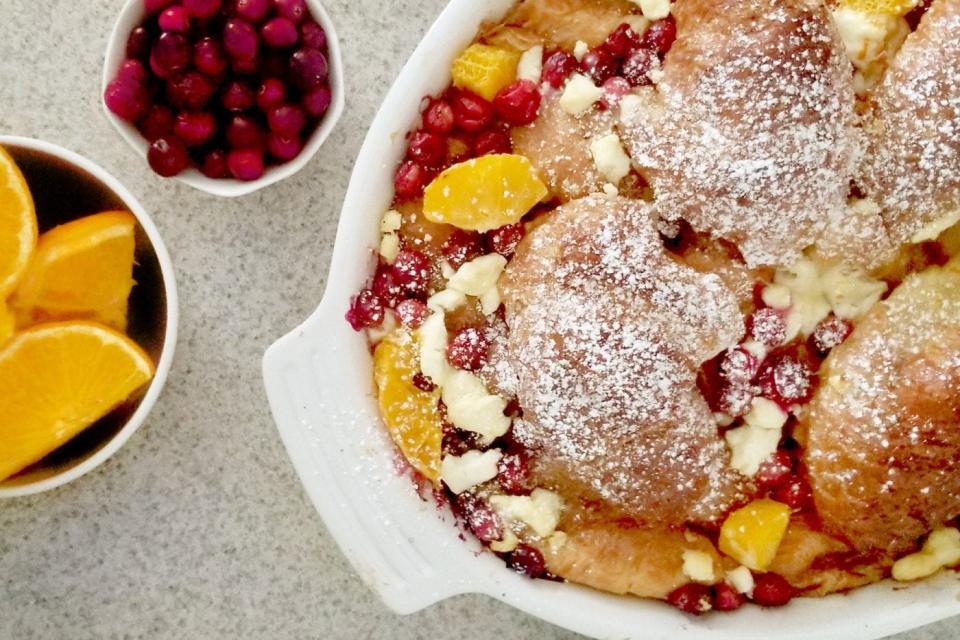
x,y
82,270
57,380
412,416
18,224
752,534
887,7
484,193
7,323
485,70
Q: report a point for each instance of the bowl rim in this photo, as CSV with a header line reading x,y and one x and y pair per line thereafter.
x,y
168,276
133,12
408,556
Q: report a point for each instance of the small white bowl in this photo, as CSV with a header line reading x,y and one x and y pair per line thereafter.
x,y
133,14
319,381
156,334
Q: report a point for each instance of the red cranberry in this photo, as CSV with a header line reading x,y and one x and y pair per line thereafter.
x,y
557,68
202,9
132,72
493,141
245,164
412,313
830,333
638,65
736,398
614,90
168,156
280,33
208,57
157,123
171,53
246,67
796,493
191,90
174,18
726,598
366,310
138,44
215,165
295,10
518,103
410,181
468,349
513,474
738,365
154,6
767,326
237,96
527,561
772,590
385,285
599,64
411,269
420,381
316,101
272,94
692,598
786,380
313,35
471,112
287,121
480,518
660,35
505,239
127,101
195,128
308,68
462,247
284,149
240,39
775,471
252,10
622,40
428,149
438,117
243,132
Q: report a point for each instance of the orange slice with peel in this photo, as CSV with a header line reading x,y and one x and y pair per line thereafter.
x,y
484,193
18,224
57,380
81,270
411,415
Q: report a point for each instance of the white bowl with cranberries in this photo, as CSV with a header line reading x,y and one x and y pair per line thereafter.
x,y
407,549
228,96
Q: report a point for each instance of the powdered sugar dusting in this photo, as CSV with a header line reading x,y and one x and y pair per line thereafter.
x,y
883,434
606,334
750,135
912,168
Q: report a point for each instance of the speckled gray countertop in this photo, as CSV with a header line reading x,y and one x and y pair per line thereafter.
x,y
198,528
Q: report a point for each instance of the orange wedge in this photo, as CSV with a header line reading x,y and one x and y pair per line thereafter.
x,y
7,323
82,270
57,380
411,415
484,70
484,193
18,224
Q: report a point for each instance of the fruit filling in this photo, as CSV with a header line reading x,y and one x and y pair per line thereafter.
x,y
635,320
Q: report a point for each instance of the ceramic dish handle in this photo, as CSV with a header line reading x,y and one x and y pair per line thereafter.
x,y
371,511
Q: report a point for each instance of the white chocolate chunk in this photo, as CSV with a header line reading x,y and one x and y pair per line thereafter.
x,y
749,446
540,510
579,94
698,566
461,473
942,549
530,66
654,9
446,300
471,407
390,246
741,579
580,49
611,160
766,414
476,277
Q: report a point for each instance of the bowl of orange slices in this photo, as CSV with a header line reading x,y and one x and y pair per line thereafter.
x,y
88,315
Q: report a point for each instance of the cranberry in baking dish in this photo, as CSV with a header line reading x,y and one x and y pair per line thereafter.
x,y
668,299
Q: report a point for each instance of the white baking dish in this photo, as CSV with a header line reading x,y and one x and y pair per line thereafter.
x,y
319,382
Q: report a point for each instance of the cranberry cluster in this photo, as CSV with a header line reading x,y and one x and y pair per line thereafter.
x,y
228,86
780,478
770,590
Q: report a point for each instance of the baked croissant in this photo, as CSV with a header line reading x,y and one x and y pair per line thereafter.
x,y
750,133
606,334
883,431
912,165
